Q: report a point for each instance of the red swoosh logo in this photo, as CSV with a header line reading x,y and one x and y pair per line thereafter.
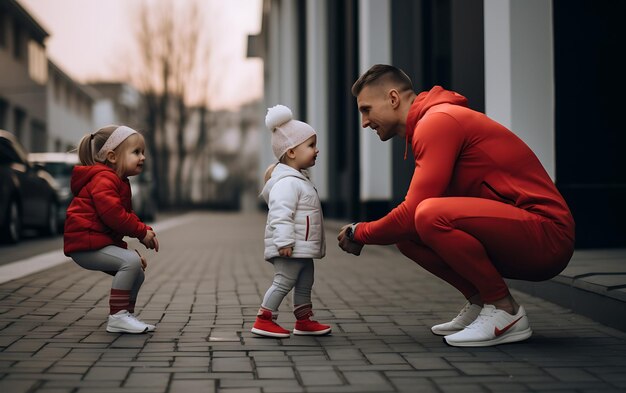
x,y
499,332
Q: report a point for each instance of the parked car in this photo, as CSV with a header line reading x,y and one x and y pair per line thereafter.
x,y
27,193
60,166
143,201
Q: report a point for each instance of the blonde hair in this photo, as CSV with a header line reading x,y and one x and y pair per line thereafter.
x,y
90,144
268,172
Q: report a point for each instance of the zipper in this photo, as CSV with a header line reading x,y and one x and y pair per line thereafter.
x,y
509,200
306,236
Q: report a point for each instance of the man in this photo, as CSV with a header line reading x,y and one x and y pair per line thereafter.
x,y
480,205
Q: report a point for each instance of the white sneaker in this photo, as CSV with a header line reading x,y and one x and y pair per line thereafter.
x,y
125,322
493,327
151,328
467,315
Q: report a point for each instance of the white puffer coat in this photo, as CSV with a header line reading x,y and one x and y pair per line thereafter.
x,y
295,215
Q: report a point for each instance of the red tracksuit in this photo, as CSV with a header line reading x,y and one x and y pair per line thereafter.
x,y
480,205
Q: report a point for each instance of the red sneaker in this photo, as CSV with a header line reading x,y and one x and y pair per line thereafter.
x,y
265,325
307,327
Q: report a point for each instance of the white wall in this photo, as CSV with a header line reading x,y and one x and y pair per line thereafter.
x,y
317,89
104,112
374,47
281,70
519,72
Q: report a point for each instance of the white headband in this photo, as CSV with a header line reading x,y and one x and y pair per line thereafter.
x,y
118,136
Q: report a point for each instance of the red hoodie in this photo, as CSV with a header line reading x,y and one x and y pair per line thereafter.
x,y
100,213
461,152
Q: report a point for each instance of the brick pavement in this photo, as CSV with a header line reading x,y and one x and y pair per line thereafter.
x,y
203,289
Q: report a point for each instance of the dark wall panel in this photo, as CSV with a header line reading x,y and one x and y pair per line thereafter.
x,y
590,132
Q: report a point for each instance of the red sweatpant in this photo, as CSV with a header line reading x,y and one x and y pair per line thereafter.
x,y
472,243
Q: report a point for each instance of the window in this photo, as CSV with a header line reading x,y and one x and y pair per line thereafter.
x,y
3,29
37,62
19,117
56,86
4,107
18,42
39,139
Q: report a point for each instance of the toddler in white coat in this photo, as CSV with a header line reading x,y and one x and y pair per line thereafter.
x,y
294,232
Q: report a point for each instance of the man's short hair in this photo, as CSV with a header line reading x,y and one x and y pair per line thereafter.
x,y
380,73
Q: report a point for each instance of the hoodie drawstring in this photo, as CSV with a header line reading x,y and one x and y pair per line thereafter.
x,y
406,146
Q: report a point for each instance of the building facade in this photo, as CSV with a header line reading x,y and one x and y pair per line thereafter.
x,y
44,107
545,69
23,74
70,112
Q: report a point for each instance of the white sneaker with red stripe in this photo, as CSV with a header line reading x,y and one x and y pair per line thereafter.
x,y
467,315
493,327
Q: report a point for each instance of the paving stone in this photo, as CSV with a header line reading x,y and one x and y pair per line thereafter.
x,y
385,358
17,386
143,380
212,375
68,370
240,364
314,378
275,372
188,386
26,345
344,354
107,374
268,385
203,290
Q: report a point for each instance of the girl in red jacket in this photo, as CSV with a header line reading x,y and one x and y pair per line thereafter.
x,y
100,215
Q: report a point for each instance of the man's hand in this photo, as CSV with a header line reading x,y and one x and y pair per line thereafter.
x,y
285,251
342,232
349,246
150,240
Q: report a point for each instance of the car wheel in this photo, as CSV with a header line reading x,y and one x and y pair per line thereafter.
x,y
52,223
12,228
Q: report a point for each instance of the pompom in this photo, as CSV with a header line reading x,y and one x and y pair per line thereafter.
x,y
277,115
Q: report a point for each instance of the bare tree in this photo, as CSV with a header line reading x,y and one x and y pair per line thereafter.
x,y
185,76
173,65
209,79
154,39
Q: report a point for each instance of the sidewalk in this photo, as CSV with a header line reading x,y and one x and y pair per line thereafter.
x,y
203,290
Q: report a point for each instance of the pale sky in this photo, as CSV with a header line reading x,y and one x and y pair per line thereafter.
x,y
90,38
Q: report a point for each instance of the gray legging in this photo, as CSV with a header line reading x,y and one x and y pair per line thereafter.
x,y
123,264
296,273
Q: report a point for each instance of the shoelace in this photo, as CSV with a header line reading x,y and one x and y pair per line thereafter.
x,y
464,310
132,316
481,320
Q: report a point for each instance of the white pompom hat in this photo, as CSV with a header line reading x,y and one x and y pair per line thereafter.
x,y
286,132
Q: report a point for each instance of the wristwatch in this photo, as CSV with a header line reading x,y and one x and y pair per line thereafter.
x,y
350,231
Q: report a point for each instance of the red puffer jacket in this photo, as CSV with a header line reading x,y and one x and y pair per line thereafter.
x,y
100,213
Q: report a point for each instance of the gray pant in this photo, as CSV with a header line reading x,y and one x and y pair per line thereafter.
x,y
296,273
123,264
